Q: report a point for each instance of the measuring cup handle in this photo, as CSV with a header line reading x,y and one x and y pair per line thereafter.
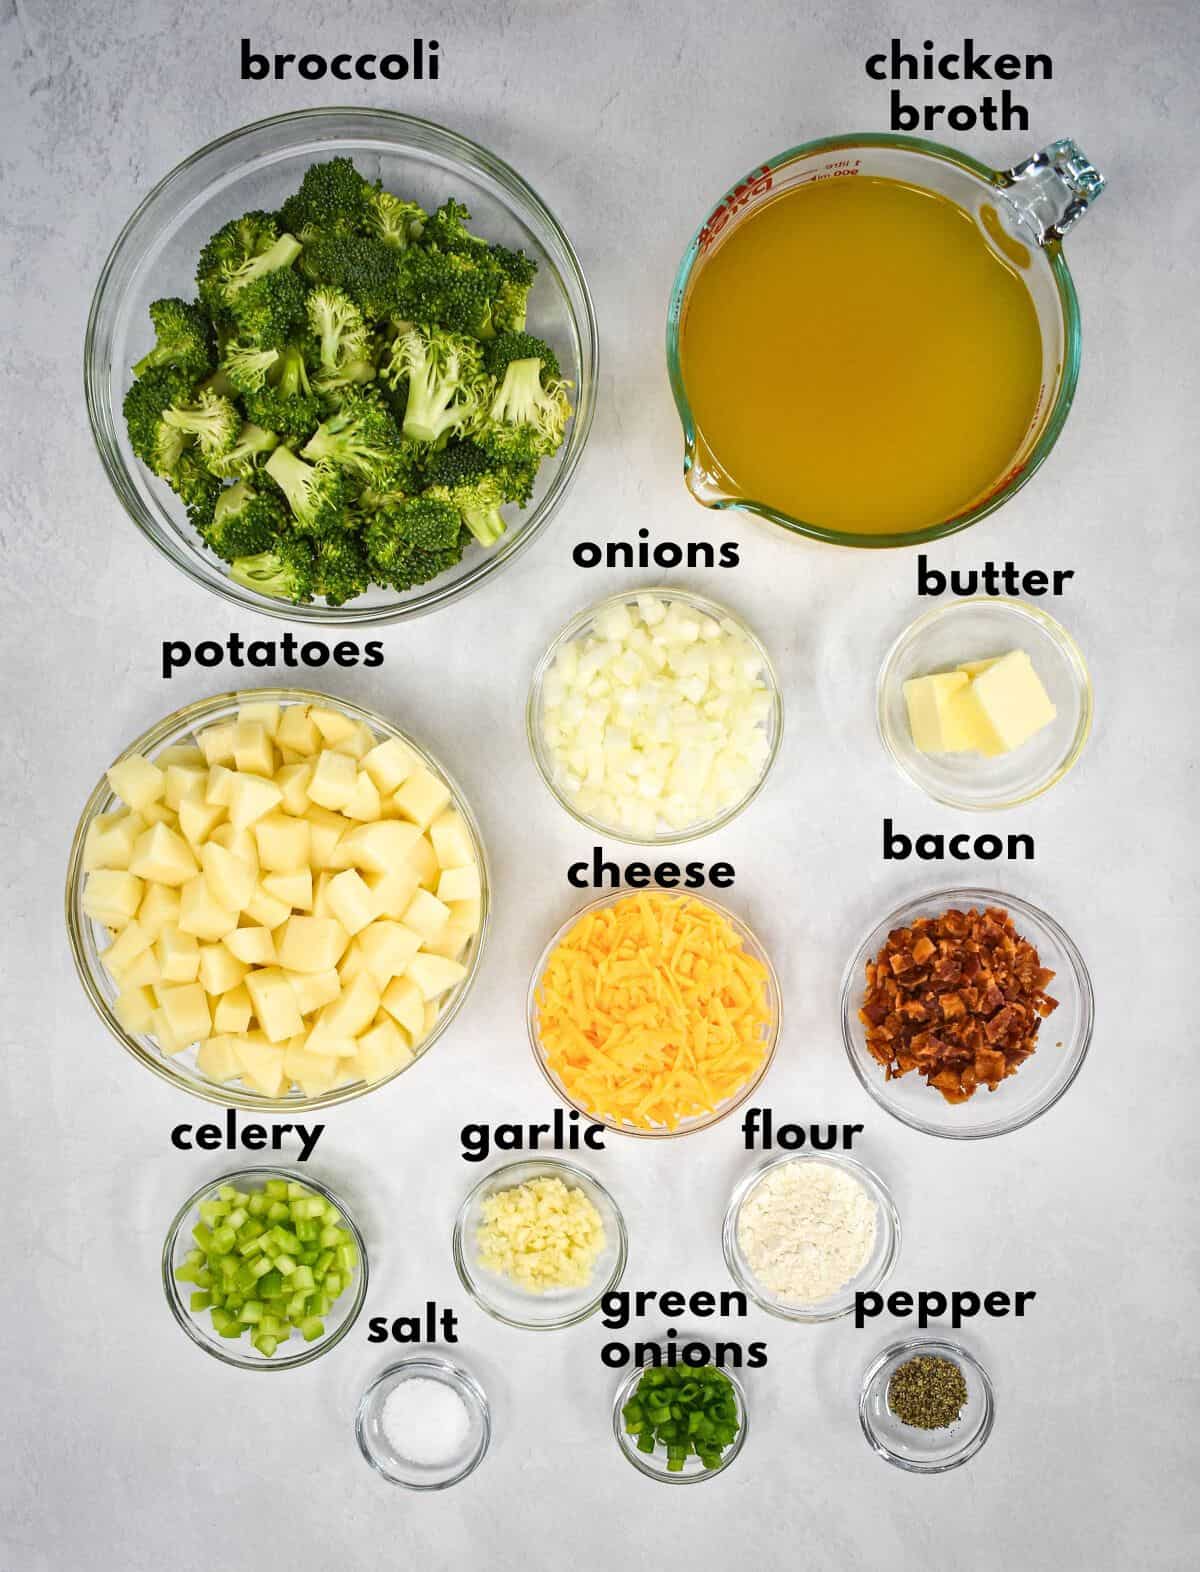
x,y
1053,189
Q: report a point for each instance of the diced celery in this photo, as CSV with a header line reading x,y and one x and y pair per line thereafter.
x,y
266,1344
257,1204
285,1265
227,1192
223,1240
237,1217
203,1235
311,1328
250,1312
302,1278
200,1301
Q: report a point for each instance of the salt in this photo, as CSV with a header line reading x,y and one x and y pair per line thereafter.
x,y
425,1421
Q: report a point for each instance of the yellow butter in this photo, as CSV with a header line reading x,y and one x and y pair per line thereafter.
x,y
974,667
929,702
1011,697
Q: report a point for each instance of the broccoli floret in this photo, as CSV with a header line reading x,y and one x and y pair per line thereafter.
x,y
338,326
244,457
244,249
196,486
447,230
270,310
332,199
245,522
412,541
362,438
153,392
366,269
342,568
528,415
446,386
456,291
246,366
500,353
465,476
509,307
212,420
289,572
293,416
390,219
183,339
316,493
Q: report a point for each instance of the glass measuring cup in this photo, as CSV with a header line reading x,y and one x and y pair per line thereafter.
x,y
1024,213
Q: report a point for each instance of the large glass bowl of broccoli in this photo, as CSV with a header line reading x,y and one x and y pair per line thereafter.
x,y
341,366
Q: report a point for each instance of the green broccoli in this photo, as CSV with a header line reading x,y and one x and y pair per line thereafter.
x,y
244,249
270,310
465,476
332,199
246,366
458,292
245,522
412,541
288,572
183,339
390,219
366,269
342,568
212,420
241,460
361,437
316,493
446,386
499,354
510,305
154,391
338,326
528,415
293,416
447,230
196,486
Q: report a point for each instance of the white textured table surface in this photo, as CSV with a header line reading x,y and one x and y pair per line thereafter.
x,y
128,1448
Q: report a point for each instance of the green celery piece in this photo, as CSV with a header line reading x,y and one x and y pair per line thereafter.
x,y
331,1237
203,1235
323,1263
223,1239
285,1265
276,1189
277,1212
235,1330
311,1328
251,1312
257,1204
302,1277
185,1273
270,1284
221,1319
236,1218
212,1212
199,1301
347,1259
266,1344
297,1192
296,1306
227,1192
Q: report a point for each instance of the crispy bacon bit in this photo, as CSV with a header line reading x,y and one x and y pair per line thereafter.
x,y
958,998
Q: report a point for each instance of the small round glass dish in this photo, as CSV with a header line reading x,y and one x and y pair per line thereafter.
x,y
89,938
920,1451
1063,1039
381,1451
257,166
654,1464
504,1300
977,629
580,627
770,1036
875,1270
240,1351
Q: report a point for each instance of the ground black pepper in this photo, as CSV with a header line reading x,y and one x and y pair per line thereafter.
x,y
927,1392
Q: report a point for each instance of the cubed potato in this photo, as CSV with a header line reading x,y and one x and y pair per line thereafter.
x,y
314,1073
110,839
403,1001
423,858
219,792
283,843
432,1011
292,781
380,848
202,914
363,802
160,906
351,1012
162,856
320,906
297,731
161,1030
452,840
357,744
274,1003
216,743
434,974
159,813
426,914
112,893
134,1008
233,1010
314,989
468,915
240,843
136,781
422,796
124,950
184,783
451,942
294,888
261,1063
253,750
254,945
387,948
332,724
261,712
392,893
217,1058
145,972
325,829
389,764
333,780
186,1009
382,1050
180,753
250,797
197,821
352,964
178,955
266,909
231,880
350,900
311,944
458,884
220,970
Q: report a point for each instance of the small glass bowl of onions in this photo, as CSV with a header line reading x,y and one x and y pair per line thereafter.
x,y
654,717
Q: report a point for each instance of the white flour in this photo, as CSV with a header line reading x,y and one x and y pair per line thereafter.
x,y
806,1229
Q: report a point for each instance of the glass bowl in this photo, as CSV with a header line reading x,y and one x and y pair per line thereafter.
x,y
89,938
974,629
579,627
926,1451
504,1300
256,167
687,1126
1063,1039
878,1266
382,1455
239,1352
654,1464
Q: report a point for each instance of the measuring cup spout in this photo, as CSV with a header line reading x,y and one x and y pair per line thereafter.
x,y
1053,189
704,477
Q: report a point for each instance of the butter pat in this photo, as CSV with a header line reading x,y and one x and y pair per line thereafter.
x,y
974,667
930,701
1011,696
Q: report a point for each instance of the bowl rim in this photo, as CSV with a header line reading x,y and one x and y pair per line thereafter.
x,y
461,1380
1058,635
641,1461
392,125
187,1318
972,895
574,628
775,997
472,1284
944,1348
885,1206
188,717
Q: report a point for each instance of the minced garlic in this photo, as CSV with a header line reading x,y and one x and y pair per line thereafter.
x,y
541,1235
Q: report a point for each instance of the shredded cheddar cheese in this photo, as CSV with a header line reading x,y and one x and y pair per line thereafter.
x,y
650,1012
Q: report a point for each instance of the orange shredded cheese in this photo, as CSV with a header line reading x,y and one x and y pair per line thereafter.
x,y
650,1012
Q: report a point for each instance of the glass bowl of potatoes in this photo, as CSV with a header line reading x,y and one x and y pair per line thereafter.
x,y
277,899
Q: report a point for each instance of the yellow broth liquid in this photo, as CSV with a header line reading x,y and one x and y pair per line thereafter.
x,y
857,356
